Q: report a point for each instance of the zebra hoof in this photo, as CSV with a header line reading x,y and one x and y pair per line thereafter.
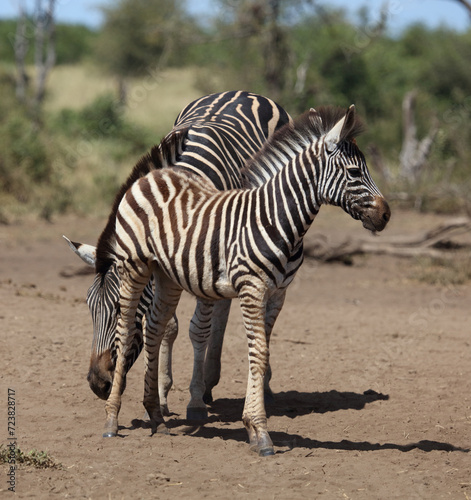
x,y
196,414
266,452
165,411
111,428
162,429
208,397
159,428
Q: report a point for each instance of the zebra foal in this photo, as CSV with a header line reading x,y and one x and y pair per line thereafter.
x,y
241,243
213,137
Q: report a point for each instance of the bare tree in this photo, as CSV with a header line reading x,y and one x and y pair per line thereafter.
x,y
275,49
45,52
414,153
466,4
21,49
43,34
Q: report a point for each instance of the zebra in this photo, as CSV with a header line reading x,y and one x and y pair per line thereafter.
x,y
213,137
241,243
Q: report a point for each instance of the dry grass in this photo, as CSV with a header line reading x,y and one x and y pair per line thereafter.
x,y
454,270
91,167
75,86
154,101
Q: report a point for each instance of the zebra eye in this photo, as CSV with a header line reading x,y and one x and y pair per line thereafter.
x,y
354,172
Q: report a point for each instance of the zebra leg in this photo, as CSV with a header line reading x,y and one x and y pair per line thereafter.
x,y
165,364
166,298
113,403
274,306
132,285
212,361
200,329
252,302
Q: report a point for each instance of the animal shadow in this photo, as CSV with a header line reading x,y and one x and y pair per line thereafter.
x,y
293,404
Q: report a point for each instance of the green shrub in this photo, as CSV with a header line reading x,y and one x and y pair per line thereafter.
x,y
103,120
28,180
33,458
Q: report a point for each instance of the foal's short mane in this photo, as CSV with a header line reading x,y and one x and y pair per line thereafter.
x,y
160,156
328,116
301,131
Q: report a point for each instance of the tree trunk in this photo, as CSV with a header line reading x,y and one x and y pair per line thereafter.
x,y
21,49
466,4
45,51
275,51
122,91
414,153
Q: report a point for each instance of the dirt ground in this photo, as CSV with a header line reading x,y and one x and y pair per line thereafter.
x,y
371,371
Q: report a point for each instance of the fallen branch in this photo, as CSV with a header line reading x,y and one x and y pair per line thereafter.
x,y
433,243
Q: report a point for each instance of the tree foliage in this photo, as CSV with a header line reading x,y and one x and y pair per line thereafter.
x,y
326,58
139,34
301,53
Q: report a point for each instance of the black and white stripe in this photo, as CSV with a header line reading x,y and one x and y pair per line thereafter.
x,y
213,137
243,243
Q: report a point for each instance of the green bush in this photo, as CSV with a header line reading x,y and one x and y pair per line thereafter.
x,y
29,182
33,458
103,120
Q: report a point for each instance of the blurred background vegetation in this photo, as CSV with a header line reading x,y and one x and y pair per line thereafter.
x,y
111,93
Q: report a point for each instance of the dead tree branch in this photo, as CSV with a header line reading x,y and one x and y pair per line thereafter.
x,y
466,4
45,51
21,49
42,31
414,153
431,243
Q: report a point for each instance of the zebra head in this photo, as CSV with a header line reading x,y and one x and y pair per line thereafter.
x,y
346,181
103,301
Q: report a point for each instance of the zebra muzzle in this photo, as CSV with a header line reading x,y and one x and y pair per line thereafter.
x,y
100,375
377,215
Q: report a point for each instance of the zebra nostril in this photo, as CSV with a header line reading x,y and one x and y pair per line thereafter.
x,y
386,216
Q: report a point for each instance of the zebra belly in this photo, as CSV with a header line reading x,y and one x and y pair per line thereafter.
x,y
207,284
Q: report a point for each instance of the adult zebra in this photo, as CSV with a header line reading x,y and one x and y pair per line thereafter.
x,y
213,137
239,243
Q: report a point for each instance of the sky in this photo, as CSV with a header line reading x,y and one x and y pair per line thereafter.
x,y
433,13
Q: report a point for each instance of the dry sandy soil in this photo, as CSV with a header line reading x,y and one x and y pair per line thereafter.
x,y
372,373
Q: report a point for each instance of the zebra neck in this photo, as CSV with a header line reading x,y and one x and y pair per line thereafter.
x,y
274,156
289,201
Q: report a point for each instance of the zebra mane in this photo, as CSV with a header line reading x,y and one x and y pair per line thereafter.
x,y
296,135
160,156
327,117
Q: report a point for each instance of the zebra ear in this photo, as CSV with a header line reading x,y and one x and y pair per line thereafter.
x,y
340,130
315,118
86,252
349,124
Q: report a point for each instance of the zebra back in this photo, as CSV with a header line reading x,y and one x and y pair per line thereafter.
x,y
224,131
